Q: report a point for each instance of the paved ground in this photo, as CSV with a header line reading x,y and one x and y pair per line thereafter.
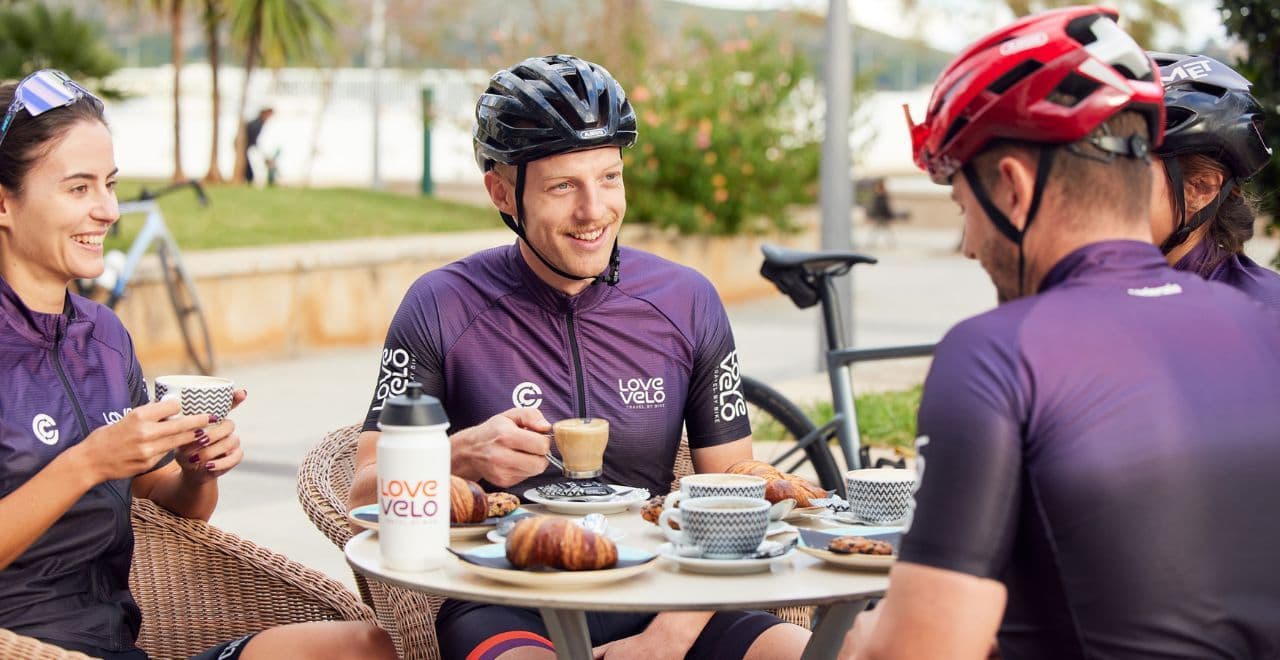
x,y
919,289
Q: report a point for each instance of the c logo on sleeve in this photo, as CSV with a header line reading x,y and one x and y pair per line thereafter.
x,y
45,428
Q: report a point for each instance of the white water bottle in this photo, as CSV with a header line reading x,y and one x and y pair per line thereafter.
x,y
413,481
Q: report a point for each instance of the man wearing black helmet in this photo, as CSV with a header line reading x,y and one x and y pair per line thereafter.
x,y
1200,216
563,323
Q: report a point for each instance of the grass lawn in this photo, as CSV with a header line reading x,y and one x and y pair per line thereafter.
x,y
884,419
239,216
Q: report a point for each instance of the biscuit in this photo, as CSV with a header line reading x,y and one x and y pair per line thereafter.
x,y
859,545
500,504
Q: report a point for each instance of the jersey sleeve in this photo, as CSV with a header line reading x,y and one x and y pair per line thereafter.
x,y
715,412
970,422
138,394
411,352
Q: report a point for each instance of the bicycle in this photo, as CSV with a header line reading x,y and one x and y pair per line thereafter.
x,y
120,269
808,278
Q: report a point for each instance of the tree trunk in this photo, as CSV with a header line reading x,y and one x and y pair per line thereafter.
x,y
175,54
212,17
250,61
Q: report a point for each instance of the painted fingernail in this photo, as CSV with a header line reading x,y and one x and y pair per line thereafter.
x,y
195,458
209,466
199,433
202,442
214,419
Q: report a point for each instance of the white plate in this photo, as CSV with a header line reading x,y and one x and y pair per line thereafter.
x,y
367,517
720,566
869,562
617,505
550,579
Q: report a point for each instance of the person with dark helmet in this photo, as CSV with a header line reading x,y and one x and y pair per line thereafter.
x,y
1213,143
564,323
1095,480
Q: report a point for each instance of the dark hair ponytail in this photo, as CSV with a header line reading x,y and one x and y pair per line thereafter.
x,y
30,138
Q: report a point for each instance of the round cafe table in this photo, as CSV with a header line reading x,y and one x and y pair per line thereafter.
x,y
799,579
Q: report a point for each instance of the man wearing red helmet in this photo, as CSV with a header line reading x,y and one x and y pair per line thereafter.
x,y
1092,484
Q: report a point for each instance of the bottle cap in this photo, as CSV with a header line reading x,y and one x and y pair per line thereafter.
x,y
413,408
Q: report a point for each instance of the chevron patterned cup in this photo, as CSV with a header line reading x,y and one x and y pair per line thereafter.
x,y
881,495
723,527
199,395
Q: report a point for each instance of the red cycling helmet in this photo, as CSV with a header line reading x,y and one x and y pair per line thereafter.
x,y
999,88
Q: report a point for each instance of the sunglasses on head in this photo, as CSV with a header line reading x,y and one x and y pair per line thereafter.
x,y
41,92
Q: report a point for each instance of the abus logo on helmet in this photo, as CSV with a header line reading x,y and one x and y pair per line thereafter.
x,y
526,395
45,428
592,133
1023,43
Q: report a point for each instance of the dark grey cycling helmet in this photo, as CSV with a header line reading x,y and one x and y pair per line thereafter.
x,y
545,106
550,105
1209,111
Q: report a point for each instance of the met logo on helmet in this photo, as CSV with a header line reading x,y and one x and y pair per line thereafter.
x,y
592,133
1190,71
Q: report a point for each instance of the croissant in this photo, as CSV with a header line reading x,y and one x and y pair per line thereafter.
x,y
543,541
754,468
467,501
779,485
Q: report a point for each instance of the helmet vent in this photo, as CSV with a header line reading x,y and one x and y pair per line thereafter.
x,y
1012,76
1081,29
1073,89
956,127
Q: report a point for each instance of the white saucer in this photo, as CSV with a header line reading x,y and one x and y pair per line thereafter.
x,y
639,559
616,505
367,517
720,566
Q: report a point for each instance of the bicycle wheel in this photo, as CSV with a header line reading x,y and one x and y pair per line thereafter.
x,y
186,305
777,425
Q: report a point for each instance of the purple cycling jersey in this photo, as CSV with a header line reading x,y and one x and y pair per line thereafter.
x,y
1107,449
65,375
650,355
1236,270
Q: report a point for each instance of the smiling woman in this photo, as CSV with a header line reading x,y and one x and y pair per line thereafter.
x,y
78,435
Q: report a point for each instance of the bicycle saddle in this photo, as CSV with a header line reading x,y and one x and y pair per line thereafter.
x,y
813,262
796,272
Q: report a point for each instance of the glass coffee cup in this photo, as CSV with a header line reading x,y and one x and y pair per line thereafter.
x,y
581,443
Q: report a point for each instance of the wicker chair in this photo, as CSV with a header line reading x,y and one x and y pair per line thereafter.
x,y
198,586
324,479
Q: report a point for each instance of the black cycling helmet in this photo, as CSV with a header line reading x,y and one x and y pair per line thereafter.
x,y
1209,111
545,106
549,105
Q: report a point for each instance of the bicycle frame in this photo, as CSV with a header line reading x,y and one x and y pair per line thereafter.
x,y
153,229
839,361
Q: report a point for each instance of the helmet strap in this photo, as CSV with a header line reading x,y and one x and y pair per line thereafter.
x,y
608,276
1000,220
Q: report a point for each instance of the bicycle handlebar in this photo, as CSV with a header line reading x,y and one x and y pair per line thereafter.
x,y
147,195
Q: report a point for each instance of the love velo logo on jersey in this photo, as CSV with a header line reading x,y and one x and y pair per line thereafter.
x,y
642,392
730,404
393,376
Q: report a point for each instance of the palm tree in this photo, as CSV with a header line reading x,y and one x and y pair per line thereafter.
x,y
175,11
273,32
214,15
33,37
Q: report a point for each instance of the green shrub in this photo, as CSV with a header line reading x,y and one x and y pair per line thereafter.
x,y
727,139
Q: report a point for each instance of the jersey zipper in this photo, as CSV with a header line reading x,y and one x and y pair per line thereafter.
x,y
577,367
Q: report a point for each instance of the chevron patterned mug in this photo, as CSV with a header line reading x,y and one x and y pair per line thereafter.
x,y
199,395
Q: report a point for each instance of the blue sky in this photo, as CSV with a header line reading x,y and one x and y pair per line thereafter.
x,y
952,24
